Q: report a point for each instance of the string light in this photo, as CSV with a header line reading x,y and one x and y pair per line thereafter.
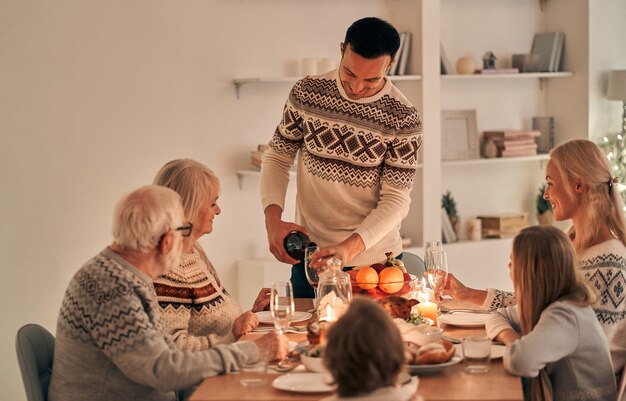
x,y
614,147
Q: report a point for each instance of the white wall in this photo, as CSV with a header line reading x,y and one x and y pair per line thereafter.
x,y
96,95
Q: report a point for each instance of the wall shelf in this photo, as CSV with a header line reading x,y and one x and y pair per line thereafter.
x,y
241,174
238,82
524,75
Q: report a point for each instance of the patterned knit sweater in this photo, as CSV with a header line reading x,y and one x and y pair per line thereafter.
x,y
110,344
604,267
357,160
197,311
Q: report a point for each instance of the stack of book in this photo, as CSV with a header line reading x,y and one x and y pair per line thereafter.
x,y
504,225
400,67
513,143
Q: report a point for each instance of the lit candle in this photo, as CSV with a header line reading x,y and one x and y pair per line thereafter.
x,y
429,310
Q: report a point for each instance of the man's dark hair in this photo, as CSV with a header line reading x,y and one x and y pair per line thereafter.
x,y
372,37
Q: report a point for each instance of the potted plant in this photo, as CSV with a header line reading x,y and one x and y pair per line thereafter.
x,y
545,215
449,204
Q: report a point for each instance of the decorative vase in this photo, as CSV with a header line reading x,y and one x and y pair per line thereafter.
x,y
546,218
456,225
465,65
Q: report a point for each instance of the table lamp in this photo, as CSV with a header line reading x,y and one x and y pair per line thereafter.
x,y
616,90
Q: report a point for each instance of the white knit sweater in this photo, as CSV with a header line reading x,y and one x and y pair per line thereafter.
x,y
357,160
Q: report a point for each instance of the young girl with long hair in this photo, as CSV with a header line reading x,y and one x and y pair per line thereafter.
x,y
552,334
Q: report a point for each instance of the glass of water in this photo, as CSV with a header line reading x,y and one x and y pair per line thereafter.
x,y
476,354
281,304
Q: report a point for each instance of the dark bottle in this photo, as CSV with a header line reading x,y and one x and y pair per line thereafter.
x,y
295,243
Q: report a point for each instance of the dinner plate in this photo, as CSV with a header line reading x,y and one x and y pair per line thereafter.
x,y
434,368
497,350
265,317
464,319
306,382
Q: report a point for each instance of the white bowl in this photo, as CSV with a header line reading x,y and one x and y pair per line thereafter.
x,y
313,363
425,334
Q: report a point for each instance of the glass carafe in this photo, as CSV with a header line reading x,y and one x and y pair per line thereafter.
x,y
334,292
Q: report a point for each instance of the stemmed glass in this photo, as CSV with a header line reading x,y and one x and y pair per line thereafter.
x,y
436,268
281,304
312,274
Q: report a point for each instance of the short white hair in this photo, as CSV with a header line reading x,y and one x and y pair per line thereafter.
x,y
144,215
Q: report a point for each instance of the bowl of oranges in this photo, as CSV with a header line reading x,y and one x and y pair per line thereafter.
x,y
382,279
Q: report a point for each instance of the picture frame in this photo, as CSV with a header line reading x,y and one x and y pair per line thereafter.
x,y
459,136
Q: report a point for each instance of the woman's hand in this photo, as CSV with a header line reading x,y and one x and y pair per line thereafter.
x,y
507,336
262,300
245,323
460,292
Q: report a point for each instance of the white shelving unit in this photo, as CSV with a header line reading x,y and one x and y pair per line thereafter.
x,y
563,95
239,82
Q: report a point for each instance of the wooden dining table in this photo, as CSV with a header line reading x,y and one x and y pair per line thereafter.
x,y
449,384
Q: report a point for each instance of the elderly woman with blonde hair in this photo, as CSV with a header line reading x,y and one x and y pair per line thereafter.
x,y
581,188
197,310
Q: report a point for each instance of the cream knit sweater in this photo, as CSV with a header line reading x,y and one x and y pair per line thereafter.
x,y
197,310
357,160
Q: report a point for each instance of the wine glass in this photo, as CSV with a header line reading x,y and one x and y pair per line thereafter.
x,y
436,263
312,274
281,304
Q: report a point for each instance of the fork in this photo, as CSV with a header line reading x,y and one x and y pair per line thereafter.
x,y
462,310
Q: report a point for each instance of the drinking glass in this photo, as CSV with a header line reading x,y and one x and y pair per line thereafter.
x,y
436,268
281,304
312,274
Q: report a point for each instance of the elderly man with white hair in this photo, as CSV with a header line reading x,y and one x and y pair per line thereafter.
x,y
110,343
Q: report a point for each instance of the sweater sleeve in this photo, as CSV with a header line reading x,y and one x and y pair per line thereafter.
x,y
553,338
398,173
280,156
176,323
498,299
131,337
502,319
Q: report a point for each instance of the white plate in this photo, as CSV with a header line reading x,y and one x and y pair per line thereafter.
x,y
265,317
428,369
497,350
464,319
304,382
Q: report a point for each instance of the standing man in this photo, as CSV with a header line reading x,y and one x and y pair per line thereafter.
x,y
110,343
357,137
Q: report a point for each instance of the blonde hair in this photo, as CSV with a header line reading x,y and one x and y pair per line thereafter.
x,y
193,181
365,351
544,271
143,216
583,161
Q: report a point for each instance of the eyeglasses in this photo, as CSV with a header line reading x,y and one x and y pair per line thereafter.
x,y
186,230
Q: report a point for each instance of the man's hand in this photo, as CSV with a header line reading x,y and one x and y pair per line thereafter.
x,y
273,346
277,230
262,300
345,250
245,323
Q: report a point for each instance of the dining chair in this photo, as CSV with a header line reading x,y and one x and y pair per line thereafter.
x,y
35,351
413,264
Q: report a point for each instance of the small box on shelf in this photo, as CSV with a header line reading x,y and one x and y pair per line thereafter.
x,y
503,225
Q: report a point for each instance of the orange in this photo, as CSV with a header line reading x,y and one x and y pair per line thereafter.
x,y
391,280
367,278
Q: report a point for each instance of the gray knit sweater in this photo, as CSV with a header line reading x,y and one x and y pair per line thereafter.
x,y
110,344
